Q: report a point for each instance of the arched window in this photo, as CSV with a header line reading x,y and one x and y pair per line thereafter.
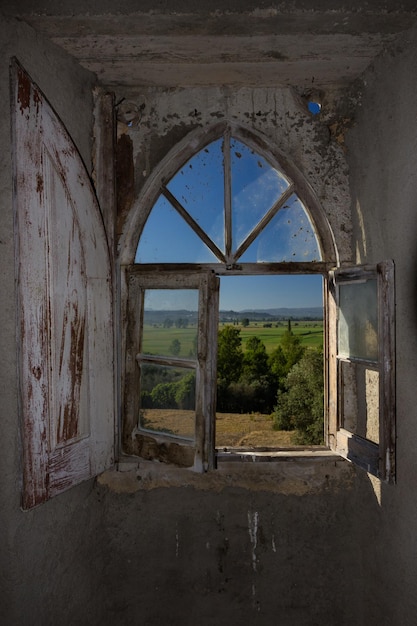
x,y
228,204
223,206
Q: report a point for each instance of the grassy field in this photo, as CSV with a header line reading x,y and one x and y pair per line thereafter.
x,y
249,430
157,340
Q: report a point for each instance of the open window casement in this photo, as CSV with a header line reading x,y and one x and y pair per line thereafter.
x,y
170,398
65,323
362,367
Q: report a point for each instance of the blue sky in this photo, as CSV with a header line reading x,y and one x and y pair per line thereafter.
x,y
269,292
255,186
238,293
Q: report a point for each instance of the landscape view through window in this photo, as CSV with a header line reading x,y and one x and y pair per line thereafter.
x,y
269,362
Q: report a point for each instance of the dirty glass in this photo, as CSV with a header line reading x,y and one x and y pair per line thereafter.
x,y
358,320
170,322
256,187
199,187
167,238
167,400
289,236
360,400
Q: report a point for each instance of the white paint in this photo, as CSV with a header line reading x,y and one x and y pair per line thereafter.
x,y
253,534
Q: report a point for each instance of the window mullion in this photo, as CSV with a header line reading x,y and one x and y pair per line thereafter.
x,y
193,224
227,195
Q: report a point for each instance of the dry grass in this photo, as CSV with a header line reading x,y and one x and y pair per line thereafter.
x,y
232,429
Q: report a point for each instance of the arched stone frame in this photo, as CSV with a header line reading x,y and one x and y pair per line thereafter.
x,y
162,174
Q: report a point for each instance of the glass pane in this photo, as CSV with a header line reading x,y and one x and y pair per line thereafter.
x,y
170,322
199,187
289,236
256,186
167,400
167,238
360,398
358,320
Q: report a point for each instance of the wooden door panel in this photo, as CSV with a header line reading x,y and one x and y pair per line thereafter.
x,y
65,308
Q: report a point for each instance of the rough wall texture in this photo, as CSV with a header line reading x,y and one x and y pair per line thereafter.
x,y
382,150
335,554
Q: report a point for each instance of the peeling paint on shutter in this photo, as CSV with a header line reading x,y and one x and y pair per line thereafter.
x,y
64,304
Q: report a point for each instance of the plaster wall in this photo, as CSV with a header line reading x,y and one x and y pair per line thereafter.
x,y
382,148
287,548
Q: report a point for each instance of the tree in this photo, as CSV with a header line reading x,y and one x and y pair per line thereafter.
x,y
229,366
300,403
245,322
286,355
175,347
181,322
256,373
255,360
185,392
229,354
163,396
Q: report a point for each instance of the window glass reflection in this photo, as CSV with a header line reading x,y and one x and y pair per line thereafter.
x,y
167,238
199,187
289,236
170,322
360,400
358,320
256,187
167,400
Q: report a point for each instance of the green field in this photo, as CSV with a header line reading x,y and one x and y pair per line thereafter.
x,y
157,340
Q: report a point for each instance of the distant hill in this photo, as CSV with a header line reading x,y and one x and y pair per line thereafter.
x,y
315,312
159,317
283,313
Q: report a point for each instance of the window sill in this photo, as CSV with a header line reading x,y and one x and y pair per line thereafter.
x,y
286,454
295,472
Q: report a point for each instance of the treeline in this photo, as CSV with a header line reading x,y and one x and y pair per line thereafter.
x,y
287,383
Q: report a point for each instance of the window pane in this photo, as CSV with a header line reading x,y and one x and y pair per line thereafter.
x,y
256,186
289,236
167,400
167,238
199,187
358,320
360,397
170,322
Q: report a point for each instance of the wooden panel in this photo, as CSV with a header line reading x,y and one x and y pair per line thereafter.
x,y
65,304
366,409
198,453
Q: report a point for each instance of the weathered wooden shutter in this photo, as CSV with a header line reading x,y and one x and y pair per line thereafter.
x,y
65,327
362,367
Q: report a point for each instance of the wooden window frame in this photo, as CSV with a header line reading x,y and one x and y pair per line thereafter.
x,y
164,447
376,458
